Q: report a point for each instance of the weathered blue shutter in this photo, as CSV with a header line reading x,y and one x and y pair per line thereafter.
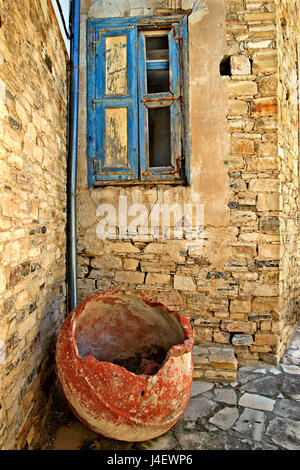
x,y
172,100
112,104
182,33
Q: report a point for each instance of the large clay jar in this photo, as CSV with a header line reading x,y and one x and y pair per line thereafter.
x,y
125,365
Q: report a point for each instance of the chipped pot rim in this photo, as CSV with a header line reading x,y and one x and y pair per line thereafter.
x,y
175,350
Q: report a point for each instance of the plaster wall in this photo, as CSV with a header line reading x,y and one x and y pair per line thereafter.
x,y
229,286
136,263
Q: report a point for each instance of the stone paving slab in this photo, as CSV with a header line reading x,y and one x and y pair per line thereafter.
x,y
260,410
257,402
251,423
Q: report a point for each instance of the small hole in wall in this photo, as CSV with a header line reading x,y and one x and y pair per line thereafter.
x,y
225,67
287,95
142,393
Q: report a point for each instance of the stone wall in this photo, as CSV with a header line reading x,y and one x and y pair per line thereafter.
x,y
33,125
288,43
254,176
232,287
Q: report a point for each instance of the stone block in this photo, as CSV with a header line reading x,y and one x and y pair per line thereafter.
x,y
269,224
265,61
198,373
262,107
242,340
155,248
184,283
240,65
220,375
240,306
158,266
242,88
262,164
12,252
265,305
265,326
131,277
268,85
259,44
221,337
264,185
259,17
242,146
268,339
106,262
203,335
245,217
265,124
101,274
238,326
224,360
123,248
26,325
131,264
269,252
237,108
265,149
260,290
267,202
160,279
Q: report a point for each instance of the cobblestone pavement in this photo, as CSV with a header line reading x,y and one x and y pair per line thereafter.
x,y
261,411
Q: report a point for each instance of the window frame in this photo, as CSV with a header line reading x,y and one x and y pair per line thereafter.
x,y
178,172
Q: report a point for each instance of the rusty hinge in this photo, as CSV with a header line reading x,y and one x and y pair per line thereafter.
x,y
97,168
177,38
94,43
93,46
174,27
169,172
91,43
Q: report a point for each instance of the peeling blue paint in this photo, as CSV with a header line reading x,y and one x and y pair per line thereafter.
x,y
137,101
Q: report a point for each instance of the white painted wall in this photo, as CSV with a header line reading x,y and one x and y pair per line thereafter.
x,y
65,5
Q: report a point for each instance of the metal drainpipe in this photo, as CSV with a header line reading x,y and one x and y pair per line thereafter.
x,y
72,157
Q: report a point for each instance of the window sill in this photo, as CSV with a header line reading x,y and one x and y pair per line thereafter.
x,y
101,184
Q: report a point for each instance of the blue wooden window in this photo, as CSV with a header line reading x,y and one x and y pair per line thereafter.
x,y
134,100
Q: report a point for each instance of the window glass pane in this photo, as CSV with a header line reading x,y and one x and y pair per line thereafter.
x,y
158,81
157,47
157,56
159,137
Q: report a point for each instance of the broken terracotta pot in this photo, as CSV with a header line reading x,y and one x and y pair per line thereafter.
x,y
125,365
